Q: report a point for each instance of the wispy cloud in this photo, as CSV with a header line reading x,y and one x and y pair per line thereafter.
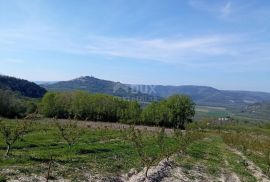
x,y
161,49
217,7
188,50
201,50
226,10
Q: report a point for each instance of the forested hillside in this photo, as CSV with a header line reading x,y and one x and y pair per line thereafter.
x,y
18,97
24,87
13,104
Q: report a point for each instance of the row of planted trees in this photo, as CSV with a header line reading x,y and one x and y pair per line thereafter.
x,y
85,106
175,111
151,147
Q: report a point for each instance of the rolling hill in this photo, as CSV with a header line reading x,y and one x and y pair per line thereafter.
x,y
202,95
24,87
210,96
95,85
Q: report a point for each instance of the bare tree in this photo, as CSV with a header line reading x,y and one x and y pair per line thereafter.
x,y
50,163
12,134
147,160
69,131
165,150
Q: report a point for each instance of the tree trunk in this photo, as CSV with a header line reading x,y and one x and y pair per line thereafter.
x,y
7,151
49,170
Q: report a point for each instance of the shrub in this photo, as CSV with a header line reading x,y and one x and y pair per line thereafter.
x,y
181,110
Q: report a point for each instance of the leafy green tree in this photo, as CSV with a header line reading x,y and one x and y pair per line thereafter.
x,y
82,106
134,111
151,115
181,110
11,105
157,114
63,104
48,106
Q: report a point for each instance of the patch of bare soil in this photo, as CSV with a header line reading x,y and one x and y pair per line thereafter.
x,y
168,171
165,171
227,175
35,178
256,171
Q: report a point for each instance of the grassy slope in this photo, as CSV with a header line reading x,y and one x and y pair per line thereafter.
x,y
106,152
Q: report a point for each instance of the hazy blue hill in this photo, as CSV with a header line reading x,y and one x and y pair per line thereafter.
x,y
95,85
24,87
202,95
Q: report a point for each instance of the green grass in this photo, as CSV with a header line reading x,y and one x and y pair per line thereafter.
x,y
237,165
213,155
107,152
206,153
103,151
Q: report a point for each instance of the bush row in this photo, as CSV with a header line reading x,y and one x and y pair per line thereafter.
x,y
84,106
175,111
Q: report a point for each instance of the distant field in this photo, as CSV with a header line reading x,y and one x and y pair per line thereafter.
x,y
211,112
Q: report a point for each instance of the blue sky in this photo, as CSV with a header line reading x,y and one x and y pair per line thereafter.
x,y
224,44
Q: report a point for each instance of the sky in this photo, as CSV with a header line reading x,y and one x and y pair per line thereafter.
x,y
220,43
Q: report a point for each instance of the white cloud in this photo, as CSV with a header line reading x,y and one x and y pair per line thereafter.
x,y
203,50
161,49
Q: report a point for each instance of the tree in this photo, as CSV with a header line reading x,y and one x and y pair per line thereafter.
x,y
147,159
62,103
11,105
69,131
12,134
134,112
181,110
150,114
48,107
82,106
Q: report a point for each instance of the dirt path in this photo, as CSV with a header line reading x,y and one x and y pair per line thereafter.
x,y
227,175
256,171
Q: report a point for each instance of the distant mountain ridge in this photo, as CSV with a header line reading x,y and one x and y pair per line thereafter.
x,y
210,96
202,95
95,85
24,87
